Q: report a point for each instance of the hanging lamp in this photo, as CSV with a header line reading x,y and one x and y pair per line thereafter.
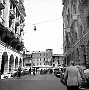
x,y
35,28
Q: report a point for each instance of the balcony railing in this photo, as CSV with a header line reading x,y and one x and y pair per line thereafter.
x,y
2,21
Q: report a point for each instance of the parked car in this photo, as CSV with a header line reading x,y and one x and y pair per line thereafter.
x,y
23,72
6,75
14,73
26,71
57,72
62,75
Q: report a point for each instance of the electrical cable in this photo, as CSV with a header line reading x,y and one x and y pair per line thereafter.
x,y
34,17
29,13
48,21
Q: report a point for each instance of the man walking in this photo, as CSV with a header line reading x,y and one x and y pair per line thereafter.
x,y
72,76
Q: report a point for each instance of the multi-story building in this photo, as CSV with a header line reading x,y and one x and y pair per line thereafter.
x,y
57,60
76,31
41,58
27,59
12,13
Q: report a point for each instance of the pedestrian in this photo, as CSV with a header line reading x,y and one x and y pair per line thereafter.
x,y
41,71
19,72
72,77
34,71
30,71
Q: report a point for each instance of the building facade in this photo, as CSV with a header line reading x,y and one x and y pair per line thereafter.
x,y
57,60
12,13
41,58
76,31
27,59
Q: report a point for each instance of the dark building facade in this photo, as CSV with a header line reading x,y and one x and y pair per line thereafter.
x,y
76,31
12,13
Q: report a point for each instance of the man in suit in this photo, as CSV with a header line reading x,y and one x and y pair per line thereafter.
x,y
72,76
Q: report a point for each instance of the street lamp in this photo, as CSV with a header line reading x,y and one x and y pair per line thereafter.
x,y
34,27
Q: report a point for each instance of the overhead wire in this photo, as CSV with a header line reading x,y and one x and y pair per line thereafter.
x,y
29,13
48,21
34,17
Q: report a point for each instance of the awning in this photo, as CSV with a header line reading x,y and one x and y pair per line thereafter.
x,y
2,28
16,40
9,34
20,44
1,6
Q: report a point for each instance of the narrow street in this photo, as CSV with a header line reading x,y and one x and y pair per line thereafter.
x,y
31,82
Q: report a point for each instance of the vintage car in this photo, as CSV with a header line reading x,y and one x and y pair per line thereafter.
x,y
6,75
57,72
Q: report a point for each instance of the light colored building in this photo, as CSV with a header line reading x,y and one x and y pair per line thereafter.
x,y
12,13
57,60
76,31
41,58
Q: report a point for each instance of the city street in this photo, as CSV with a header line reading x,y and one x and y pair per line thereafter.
x,y
31,82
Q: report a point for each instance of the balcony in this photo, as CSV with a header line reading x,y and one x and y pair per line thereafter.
x,y
81,1
22,26
75,16
17,35
12,14
2,21
17,22
20,39
68,29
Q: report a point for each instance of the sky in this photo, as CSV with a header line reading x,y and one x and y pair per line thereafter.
x,y
46,15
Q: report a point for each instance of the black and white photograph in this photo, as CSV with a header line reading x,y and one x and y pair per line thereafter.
x,y
44,44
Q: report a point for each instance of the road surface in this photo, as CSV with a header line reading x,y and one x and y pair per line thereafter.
x,y
31,82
